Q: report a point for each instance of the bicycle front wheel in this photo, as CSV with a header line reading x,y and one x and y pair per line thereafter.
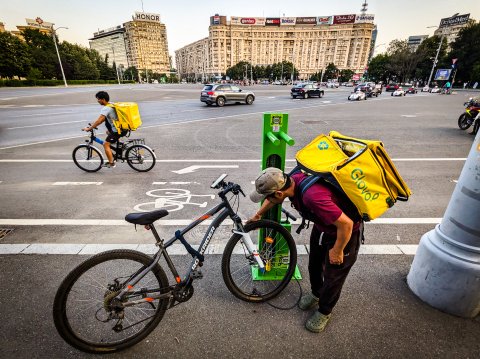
x,y
87,158
85,310
141,158
240,270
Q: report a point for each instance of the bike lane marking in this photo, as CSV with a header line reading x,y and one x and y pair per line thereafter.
x,y
175,249
77,183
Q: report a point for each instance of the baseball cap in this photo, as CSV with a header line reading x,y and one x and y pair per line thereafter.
x,y
271,179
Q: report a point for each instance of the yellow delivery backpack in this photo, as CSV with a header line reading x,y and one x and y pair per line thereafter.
x,y
128,116
361,169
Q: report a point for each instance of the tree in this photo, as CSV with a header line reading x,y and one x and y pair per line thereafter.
x,y
331,72
131,73
78,65
345,75
42,53
378,68
15,59
402,60
426,55
466,48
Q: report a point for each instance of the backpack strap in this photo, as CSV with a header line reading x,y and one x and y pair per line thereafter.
x,y
302,188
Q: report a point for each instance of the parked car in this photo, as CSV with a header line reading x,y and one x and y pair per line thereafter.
x,y
398,92
332,85
306,90
349,84
412,90
357,96
435,89
391,87
425,89
221,94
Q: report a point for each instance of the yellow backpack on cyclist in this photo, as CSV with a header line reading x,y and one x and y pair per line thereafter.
x,y
361,169
128,116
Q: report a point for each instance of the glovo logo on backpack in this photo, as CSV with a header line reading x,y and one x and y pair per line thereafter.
x,y
359,178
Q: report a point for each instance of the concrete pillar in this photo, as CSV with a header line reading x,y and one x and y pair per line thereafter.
x,y
445,272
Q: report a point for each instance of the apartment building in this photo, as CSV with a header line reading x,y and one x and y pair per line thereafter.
x,y
111,42
310,43
146,43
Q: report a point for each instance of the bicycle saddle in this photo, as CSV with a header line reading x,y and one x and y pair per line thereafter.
x,y
146,217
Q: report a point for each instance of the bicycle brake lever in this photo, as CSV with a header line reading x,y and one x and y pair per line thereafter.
x,y
241,191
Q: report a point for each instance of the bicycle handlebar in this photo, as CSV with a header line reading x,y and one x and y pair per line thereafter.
x,y
227,186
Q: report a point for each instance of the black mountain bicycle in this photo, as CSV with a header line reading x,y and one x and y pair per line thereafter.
x,y
138,155
114,299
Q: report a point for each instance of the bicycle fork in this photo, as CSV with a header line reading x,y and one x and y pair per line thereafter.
x,y
251,248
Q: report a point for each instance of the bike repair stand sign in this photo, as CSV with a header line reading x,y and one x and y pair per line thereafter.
x,y
274,149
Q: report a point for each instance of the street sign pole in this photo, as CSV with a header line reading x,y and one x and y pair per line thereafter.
x,y
445,272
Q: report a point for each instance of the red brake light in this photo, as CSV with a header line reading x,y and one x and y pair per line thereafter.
x,y
210,93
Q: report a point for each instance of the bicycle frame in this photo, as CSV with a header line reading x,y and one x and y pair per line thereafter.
x,y
223,210
116,148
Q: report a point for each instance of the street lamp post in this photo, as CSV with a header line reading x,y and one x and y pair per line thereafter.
x,y
115,61
54,34
438,51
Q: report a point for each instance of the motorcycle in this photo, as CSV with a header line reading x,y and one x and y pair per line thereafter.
x,y
471,116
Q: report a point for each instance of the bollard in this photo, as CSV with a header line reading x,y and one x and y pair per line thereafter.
x,y
445,271
274,148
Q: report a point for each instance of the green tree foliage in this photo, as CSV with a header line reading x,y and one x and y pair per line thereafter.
x,y
466,49
42,53
36,59
345,75
131,73
402,60
14,60
278,71
426,53
378,68
331,72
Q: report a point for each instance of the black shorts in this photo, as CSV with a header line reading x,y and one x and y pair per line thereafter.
x,y
115,136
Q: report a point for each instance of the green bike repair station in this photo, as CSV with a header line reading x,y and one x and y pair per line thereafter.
x,y
274,148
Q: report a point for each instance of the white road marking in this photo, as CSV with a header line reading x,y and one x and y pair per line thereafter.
x,y
191,169
42,114
408,116
162,183
77,183
175,249
177,222
220,161
33,106
44,124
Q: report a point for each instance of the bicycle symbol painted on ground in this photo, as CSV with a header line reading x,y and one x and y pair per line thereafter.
x,y
171,199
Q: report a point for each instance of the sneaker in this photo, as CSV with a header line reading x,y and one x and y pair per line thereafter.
x,y
109,165
308,301
317,322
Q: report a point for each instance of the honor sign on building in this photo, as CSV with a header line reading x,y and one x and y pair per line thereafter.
x,y
311,43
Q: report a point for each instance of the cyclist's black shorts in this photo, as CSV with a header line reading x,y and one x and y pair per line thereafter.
x,y
114,136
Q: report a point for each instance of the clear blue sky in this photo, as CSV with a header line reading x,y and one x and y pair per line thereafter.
x,y
188,20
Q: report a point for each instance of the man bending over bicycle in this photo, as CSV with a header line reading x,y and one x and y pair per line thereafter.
x,y
107,115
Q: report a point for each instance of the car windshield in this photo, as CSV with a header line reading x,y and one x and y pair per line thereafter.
x,y
300,86
207,87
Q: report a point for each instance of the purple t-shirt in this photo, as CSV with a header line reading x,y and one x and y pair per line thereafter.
x,y
322,202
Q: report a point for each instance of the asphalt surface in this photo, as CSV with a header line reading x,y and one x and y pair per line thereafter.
x,y
377,315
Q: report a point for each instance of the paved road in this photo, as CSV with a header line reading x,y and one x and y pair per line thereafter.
x,y
47,201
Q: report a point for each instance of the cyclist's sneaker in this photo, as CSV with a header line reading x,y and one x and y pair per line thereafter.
x,y
308,301
317,322
110,165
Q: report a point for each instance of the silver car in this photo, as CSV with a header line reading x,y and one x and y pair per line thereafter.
x,y
220,94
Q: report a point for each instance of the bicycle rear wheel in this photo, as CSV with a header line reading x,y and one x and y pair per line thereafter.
x,y
240,270
87,158
141,158
84,309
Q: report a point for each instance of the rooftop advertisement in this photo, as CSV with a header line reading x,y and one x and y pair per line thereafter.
x,y
144,16
364,18
311,20
456,20
306,21
324,20
249,21
39,23
344,19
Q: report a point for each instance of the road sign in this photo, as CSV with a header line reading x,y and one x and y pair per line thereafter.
x,y
443,74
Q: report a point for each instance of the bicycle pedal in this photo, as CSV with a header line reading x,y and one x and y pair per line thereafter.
x,y
197,274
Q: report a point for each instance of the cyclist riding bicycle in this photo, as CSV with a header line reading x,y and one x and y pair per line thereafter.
x,y
107,115
447,87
